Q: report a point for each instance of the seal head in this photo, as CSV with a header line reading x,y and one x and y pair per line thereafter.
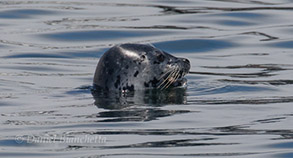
x,y
129,67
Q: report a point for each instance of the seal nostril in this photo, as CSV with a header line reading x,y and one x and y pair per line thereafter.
x,y
186,61
187,64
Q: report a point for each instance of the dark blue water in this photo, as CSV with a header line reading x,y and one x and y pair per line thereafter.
x,y
238,102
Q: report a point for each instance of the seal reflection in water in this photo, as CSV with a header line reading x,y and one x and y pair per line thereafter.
x,y
138,69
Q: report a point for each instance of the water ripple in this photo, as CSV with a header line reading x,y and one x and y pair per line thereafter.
x,y
99,35
193,45
23,13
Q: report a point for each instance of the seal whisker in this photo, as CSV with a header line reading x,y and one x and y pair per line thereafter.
x,y
164,74
174,77
171,79
166,80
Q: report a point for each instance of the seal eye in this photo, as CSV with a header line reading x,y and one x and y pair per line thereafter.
x,y
161,58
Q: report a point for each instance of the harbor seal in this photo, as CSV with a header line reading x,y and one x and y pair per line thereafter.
x,y
130,67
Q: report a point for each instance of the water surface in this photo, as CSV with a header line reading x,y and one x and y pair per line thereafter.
x,y
239,97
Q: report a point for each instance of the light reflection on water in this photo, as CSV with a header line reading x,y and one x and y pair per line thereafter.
x,y
239,95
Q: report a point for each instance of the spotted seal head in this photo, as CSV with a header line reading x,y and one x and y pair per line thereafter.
x,y
129,67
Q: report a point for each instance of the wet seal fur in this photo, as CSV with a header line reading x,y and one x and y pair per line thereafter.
x,y
130,67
